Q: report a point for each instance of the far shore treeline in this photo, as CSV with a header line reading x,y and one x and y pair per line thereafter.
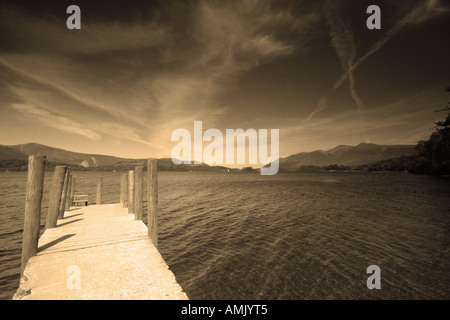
x,y
14,165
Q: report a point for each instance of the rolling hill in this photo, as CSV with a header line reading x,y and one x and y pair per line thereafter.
x,y
68,157
364,153
8,153
15,158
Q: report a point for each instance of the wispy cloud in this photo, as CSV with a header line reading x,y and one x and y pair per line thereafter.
x,y
344,46
141,80
234,38
132,81
342,40
229,39
32,68
56,121
391,123
423,12
38,34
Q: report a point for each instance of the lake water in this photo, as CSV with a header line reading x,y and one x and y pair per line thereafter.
x,y
288,236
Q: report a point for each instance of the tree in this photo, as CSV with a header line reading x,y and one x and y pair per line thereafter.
x,y
435,152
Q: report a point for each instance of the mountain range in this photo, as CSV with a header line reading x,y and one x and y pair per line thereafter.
x,y
14,158
362,154
22,151
351,156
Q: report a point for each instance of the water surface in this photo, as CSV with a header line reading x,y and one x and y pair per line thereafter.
x,y
288,236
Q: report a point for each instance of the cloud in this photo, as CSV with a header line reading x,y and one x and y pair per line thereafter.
x,y
76,126
421,13
321,105
56,121
233,37
143,78
228,39
341,34
32,68
34,33
405,121
120,131
342,40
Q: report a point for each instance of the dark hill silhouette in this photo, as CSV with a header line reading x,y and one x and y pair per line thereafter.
x,y
361,154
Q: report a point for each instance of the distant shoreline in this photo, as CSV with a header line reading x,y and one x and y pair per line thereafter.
x,y
223,171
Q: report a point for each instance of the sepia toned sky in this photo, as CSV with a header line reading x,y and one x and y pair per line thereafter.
x,y
138,70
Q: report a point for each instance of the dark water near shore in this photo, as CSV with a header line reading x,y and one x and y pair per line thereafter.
x,y
288,236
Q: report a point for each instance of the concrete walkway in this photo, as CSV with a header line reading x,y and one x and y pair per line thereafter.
x,y
112,252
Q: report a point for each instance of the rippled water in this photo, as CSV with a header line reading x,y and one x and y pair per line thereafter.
x,y
288,236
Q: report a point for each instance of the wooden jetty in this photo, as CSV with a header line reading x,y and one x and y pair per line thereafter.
x,y
93,252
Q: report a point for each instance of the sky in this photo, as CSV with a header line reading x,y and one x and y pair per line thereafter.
x,y
138,70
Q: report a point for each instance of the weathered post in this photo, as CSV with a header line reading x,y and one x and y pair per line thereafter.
x,y
72,190
55,196
152,202
130,191
99,190
138,192
123,190
69,194
62,203
33,198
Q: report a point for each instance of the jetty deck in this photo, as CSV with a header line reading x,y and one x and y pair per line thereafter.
x,y
115,257
95,252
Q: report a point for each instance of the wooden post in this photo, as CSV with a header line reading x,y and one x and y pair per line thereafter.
x,y
69,193
99,190
152,202
33,198
123,190
130,191
138,192
55,196
62,204
72,191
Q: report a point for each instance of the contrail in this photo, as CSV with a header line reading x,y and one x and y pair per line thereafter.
x,y
342,40
341,34
419,14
